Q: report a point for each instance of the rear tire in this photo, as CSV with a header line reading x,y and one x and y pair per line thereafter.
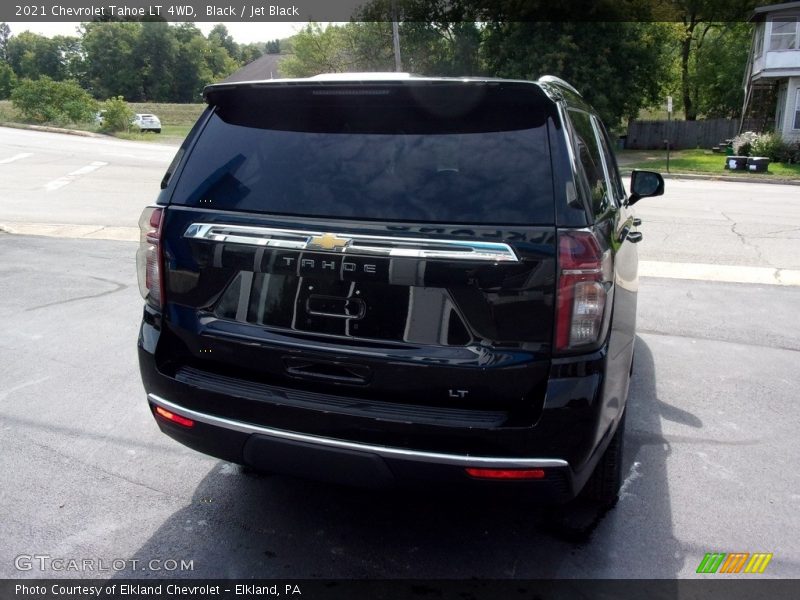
x,y
604,484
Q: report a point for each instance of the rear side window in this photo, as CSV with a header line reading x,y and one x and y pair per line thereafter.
x,y
393,155
589,155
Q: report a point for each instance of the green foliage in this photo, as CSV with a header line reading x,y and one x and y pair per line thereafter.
x,y
273,47
775,148
156,62
5,35
111,68
117,114
425,49
45,100
7,80
155,52
619,67
318,50
716,70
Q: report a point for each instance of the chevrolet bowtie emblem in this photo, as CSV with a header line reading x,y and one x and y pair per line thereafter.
x,y
327,241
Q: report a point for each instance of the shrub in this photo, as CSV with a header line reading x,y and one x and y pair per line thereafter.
x,y
46,100
772,146
7,80
117,114
743,143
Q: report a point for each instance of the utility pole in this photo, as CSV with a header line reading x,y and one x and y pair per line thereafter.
x,y
669,126
398,64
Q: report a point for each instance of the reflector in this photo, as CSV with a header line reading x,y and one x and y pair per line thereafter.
x,y
172,417
506,473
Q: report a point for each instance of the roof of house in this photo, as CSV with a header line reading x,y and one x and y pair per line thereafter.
x,y
760,12
264,67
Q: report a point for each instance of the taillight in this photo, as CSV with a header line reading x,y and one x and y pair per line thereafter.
x,y
148,256
583,283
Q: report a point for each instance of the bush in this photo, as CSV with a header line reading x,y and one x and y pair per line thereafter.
x,y
117,114
45,100
743,143
772,146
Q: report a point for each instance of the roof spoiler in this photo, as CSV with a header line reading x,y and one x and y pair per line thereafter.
x,y
553,80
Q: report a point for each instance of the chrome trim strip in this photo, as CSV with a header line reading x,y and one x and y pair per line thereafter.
x,y
353,244
385,451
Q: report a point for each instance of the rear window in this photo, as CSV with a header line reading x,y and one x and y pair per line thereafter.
x,y
390,154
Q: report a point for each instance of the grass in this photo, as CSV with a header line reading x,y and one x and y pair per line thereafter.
x,y
176,121
698,161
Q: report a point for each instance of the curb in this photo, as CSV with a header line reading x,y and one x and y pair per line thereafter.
x,y
732,178
71,231
48,129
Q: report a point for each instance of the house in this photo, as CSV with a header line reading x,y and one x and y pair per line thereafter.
x,y
264,67
773,69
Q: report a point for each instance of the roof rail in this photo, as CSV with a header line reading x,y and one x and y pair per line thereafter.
x,y
553,80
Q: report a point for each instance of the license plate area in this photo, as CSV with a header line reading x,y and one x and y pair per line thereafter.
x,y
336,307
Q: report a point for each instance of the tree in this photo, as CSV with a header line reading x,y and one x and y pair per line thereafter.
x,y
715,82
192,72
220,36
249,52
45,100
316,51
619,67
155,52
697,18
33,56
446,49
426,49
5,35
273,47
111,61
7,80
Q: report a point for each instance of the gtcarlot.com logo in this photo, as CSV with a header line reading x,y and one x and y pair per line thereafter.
x,y
45,562
734,562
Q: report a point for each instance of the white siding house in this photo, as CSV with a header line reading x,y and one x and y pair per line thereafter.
x,y
775,63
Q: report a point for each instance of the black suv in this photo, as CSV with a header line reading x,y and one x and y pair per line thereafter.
x,y
374,279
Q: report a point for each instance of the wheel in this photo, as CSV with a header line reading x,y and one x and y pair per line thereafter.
x,y
604,483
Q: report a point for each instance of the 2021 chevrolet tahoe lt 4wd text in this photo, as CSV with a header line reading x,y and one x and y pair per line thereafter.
x,y
372,279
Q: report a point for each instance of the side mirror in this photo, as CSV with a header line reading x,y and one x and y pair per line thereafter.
x,y
644,184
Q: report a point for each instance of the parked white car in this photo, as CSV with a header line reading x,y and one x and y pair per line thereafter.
x,y
146,122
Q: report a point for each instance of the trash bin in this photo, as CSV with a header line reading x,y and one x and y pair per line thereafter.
x,y
736,163
621,141
758,164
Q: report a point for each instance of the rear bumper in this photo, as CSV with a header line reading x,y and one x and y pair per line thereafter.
x,y
276,432
342,461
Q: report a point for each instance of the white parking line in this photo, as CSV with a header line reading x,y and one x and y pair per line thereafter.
x,y
723,273
20,156
70,177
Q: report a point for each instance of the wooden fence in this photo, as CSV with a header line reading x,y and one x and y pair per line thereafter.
x,y
650,135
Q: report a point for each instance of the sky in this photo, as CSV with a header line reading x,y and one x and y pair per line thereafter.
x,y
243,33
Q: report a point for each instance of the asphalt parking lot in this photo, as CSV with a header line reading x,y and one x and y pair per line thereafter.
x,y
711,450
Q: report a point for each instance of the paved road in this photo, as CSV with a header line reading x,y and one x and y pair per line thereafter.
x,y
710,464
711,447
55,178
99,187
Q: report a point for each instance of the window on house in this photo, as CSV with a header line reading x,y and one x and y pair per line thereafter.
x,y
784,34
797,110
759,40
